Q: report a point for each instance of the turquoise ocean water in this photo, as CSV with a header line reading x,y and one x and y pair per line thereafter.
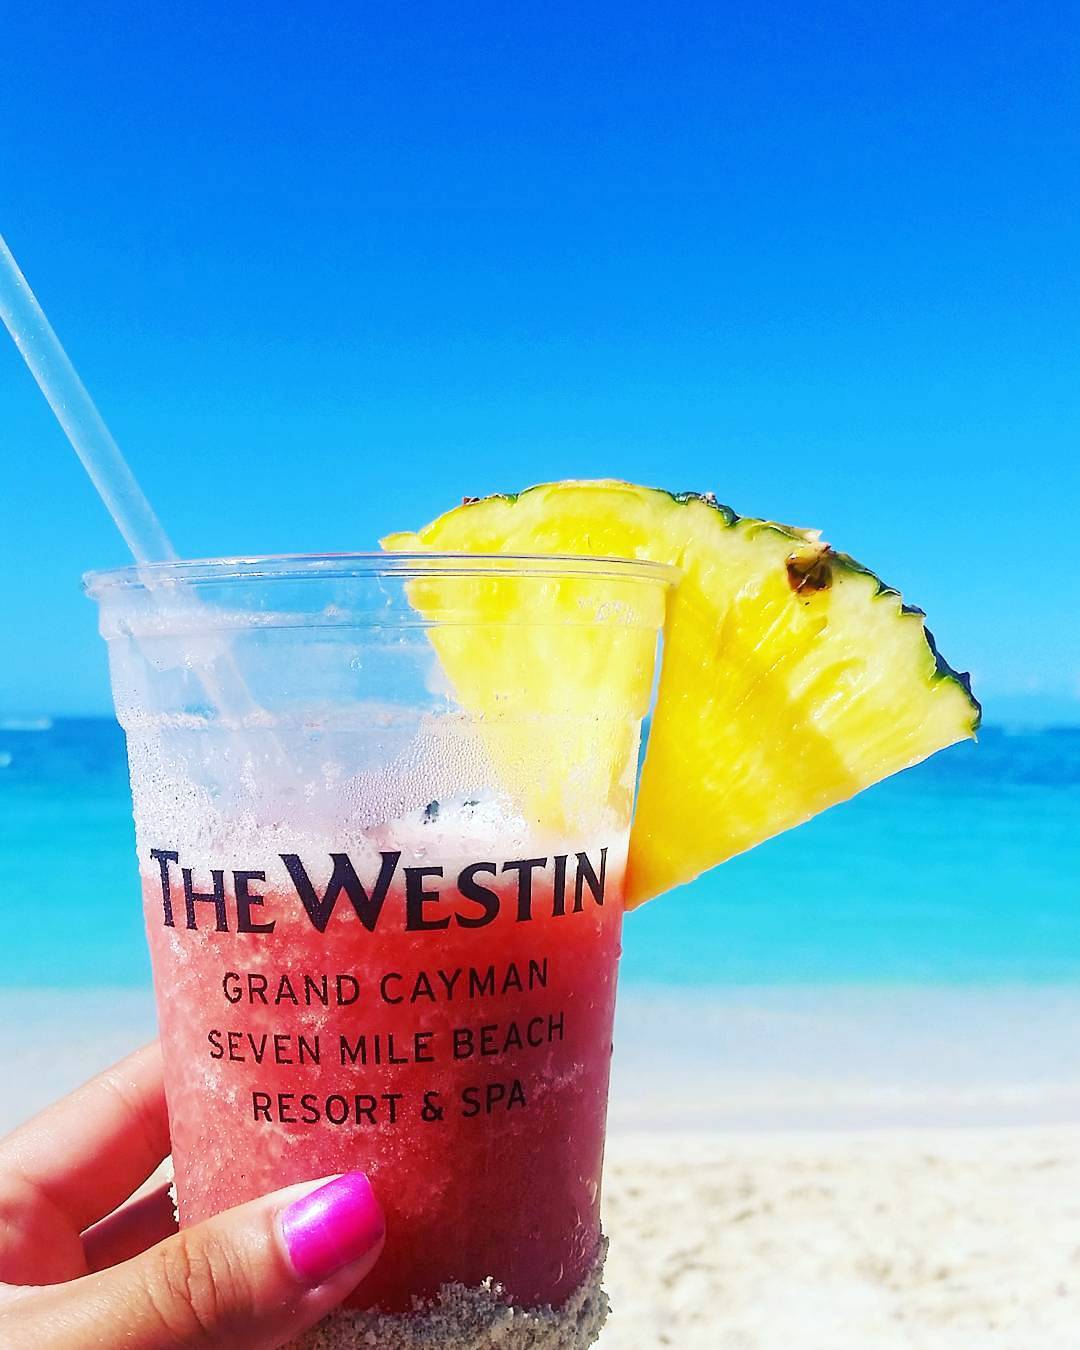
x,y
962,871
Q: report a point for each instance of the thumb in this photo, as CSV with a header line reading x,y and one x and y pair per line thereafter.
x,y
254,1276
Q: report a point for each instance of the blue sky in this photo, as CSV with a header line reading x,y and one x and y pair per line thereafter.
x,y
328,268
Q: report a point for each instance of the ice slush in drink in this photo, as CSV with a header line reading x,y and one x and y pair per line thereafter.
x,y
426,1008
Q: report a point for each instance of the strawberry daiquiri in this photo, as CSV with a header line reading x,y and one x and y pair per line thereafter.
x,y
444,1024
383,810
385,925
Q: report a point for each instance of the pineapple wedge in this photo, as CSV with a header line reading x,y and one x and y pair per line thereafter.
x,y
792,677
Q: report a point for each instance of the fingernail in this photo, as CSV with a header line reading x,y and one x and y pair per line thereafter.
x,y
332,1227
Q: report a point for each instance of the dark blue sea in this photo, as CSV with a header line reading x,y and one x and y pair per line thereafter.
x,y
961,871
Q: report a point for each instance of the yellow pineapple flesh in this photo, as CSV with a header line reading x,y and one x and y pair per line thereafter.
x,y
792,678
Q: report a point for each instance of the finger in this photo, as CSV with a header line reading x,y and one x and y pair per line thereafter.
x,y
87,1153
131,1229
256,1276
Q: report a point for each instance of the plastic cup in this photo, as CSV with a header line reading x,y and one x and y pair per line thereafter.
x,y
384,907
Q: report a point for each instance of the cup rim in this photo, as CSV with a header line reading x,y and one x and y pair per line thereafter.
x,y
373,565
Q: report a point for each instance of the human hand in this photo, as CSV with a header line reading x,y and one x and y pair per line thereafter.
x,y
83,1265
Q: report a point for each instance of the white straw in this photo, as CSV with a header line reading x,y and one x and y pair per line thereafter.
x,y
75,411
116,484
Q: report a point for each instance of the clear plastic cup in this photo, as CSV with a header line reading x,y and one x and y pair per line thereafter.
x,y
382,806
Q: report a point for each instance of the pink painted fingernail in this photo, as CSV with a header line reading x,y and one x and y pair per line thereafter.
x,y
332,1227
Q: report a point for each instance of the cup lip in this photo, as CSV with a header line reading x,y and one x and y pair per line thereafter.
x,y
98,584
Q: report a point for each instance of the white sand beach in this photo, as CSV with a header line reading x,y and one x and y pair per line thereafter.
x,y
925,1240
831,1172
